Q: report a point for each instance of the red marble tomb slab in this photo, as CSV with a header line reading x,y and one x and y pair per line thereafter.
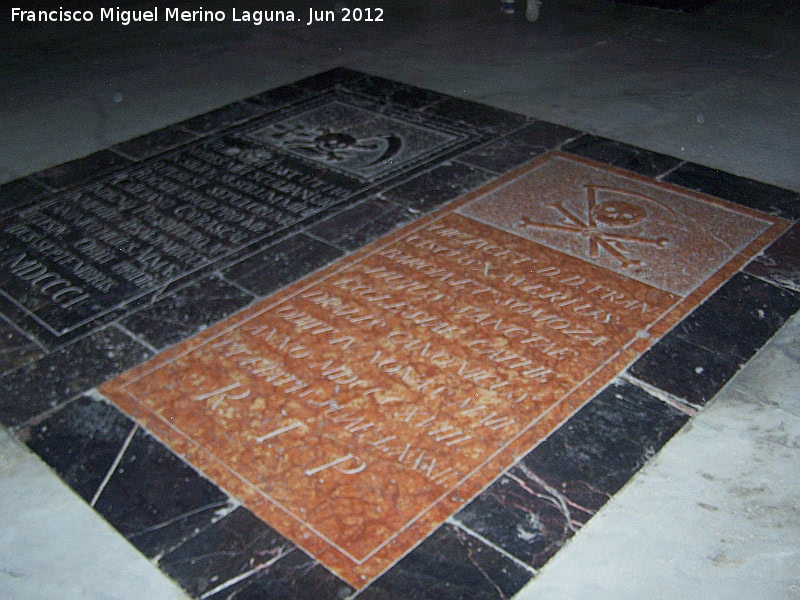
x,y
357,409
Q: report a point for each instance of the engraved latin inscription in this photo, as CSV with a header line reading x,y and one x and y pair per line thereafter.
x,y
407,369
81,254
356,410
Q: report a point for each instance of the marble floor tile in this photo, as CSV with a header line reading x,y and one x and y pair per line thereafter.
x,y
621,155
540,503
748,193
697,357
240,556
176,315
714,514
450,565
286,261
81,442
154,499
780,263
519,146
38,387
357,226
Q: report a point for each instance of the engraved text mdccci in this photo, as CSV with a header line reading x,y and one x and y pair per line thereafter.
x,y
72,258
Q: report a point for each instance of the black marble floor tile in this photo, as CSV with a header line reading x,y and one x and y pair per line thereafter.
x,y
363,223
610,152
687,6
20,192
541,502
281,264
300,578
240,556
154,143
40,386
430,190
753,194
82,169
780,263
233,548
80,442
224,117
450,565
393,92
175,317
519,147
690,373
16,349
701,353
486,118
157,501
740,317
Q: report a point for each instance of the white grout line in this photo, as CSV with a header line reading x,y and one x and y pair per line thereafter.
x,y
136,338
234,580
452,521
114,465
675,402
661,177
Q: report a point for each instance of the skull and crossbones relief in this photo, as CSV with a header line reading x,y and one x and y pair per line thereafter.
x,y
329,145
608,214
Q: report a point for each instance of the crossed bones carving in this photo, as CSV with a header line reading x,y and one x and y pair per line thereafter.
x,y
612,214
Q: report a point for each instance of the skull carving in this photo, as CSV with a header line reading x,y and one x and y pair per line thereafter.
x,y
616,213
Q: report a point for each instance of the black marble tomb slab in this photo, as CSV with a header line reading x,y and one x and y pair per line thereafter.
x,y
124,229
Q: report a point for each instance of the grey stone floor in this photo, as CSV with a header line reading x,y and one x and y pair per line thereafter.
x,y
53,545
719,88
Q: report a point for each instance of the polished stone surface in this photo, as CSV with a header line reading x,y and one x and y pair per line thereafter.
x,y
714,514
714,88
89,252
52,545
359,408
697,357
541,502
664,238
780,263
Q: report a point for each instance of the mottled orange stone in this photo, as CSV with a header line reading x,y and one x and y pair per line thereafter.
x,y
357,409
